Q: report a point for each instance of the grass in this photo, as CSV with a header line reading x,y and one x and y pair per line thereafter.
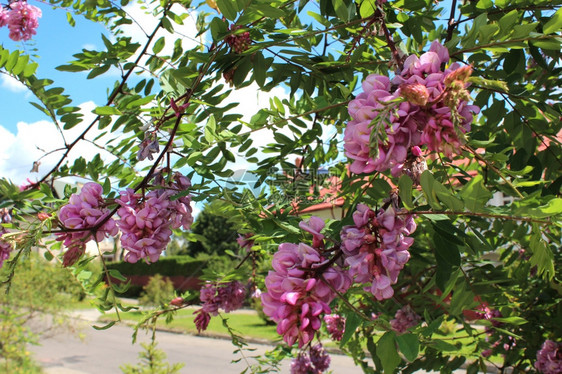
x,y
247,325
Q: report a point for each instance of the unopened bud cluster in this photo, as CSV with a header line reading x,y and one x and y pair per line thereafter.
x,y
238,41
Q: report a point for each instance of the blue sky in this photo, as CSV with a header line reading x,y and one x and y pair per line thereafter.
x,y
55,43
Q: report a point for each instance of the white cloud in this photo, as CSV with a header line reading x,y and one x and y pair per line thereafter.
x,y
33,141
144,22
11,84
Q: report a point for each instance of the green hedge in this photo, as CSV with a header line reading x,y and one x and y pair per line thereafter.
x,y
168,266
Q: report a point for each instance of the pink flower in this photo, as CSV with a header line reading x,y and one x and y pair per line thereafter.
x,y
81,215
314,225
147,221
202,320
335,324
549,358
404,319
296,296
377,250
5,247
245,242
22,20
435,113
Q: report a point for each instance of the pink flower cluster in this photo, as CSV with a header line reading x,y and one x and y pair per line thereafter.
x,y
549,358
404,319
335,324
227,296
21,19
5,246
239,42
300,287
423,105
147,221
376,248
509,342
80,216
315,362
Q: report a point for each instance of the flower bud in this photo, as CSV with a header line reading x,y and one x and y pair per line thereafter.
x,y
461,74
43,216
178,301
415,93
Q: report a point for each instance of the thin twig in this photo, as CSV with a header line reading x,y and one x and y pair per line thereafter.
x,y
452,24
491,166
110,100
345,301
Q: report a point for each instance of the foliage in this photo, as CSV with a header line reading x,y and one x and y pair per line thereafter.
x,y
15,337
468,263
152,361
37,287
41,286
215,234
158,291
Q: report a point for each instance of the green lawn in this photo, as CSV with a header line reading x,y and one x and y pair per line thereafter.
x,y
244,324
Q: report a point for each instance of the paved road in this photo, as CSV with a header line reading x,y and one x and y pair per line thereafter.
x,y
102,352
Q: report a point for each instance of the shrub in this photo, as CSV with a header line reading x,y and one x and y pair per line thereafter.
x,y
169,266
158,291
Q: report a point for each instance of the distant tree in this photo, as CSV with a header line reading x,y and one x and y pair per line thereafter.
x,y
179,246
215,234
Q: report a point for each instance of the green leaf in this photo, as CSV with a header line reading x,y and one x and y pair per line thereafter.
x,y
30,69
341,10
218,29
11,62
105,327
427,183
512,320
554,24
114,273
463,299
70,19
386,350
433,326
484,4
409,346
48,255
228,8
405,191
351,323
508,21
372,347
106,111
474,194
542,256
260,69
368,7
20,64
210,129
159,45
445,251
443,346
98,71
